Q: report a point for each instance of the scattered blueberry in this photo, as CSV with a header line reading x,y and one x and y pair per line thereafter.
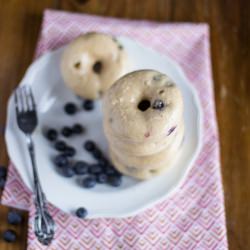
x,y
67,171
110,170
66,131
9,235
101,178
81,212
2,182
88,105
60,146
3,171
69,151
89,182
70,108
95,169
103,162
61,160
78,129
81,167
51,134
115,180
158,104
97,154
89,146
14,218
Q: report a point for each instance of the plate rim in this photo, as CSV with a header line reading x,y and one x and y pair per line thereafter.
x,y
155,199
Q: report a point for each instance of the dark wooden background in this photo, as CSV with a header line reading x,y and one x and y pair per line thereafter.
x,y
230,29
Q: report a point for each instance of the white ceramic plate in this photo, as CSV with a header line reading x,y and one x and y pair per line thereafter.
x,y
102,201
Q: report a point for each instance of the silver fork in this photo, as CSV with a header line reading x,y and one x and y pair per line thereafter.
x,y
27,121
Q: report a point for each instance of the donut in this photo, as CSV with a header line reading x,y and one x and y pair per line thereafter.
x,y
142,149
143,123
91,63
141,107
142,173
151,161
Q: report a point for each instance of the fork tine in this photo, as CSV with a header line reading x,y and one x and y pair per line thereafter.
x,y
32,105
23,99
19,100
16,101
27,97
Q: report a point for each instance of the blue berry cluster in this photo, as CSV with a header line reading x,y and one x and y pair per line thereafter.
x,y
101,172
71,108
14,218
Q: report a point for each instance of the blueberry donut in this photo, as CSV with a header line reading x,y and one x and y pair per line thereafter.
x,y
142,109
143,122
149,163
91,63
143,148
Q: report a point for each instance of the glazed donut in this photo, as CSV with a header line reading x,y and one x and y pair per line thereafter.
x,y
152,161
143,123
91,63
142,149
142,107
143,173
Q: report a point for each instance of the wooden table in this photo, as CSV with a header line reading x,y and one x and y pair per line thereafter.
x,y
230,30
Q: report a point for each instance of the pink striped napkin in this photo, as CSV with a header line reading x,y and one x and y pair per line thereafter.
x,y
193,217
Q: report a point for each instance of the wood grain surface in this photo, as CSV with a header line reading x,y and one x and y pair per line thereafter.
x,y
230,30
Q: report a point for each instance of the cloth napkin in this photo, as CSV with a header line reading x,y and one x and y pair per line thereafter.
x,y
193,217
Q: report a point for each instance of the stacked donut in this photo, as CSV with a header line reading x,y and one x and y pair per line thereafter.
x,y
143,122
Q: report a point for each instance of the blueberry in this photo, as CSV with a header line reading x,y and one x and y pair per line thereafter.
x,y
61,160
60,146
115,180
9,235
103,162
3,171
89,146
51,134
110,170
88,105
67,171
81,167
101,178
69,151
81,212
14,218
97,154
66,131
158,104
95,169
2,182
89,182
70,108
78,129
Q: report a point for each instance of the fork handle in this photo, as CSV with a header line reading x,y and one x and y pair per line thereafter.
x,y
39,195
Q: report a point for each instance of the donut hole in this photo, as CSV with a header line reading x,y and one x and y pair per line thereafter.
x,y
77,65
143,105
97,67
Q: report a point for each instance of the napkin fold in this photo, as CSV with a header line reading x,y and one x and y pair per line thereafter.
x,y
193,217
